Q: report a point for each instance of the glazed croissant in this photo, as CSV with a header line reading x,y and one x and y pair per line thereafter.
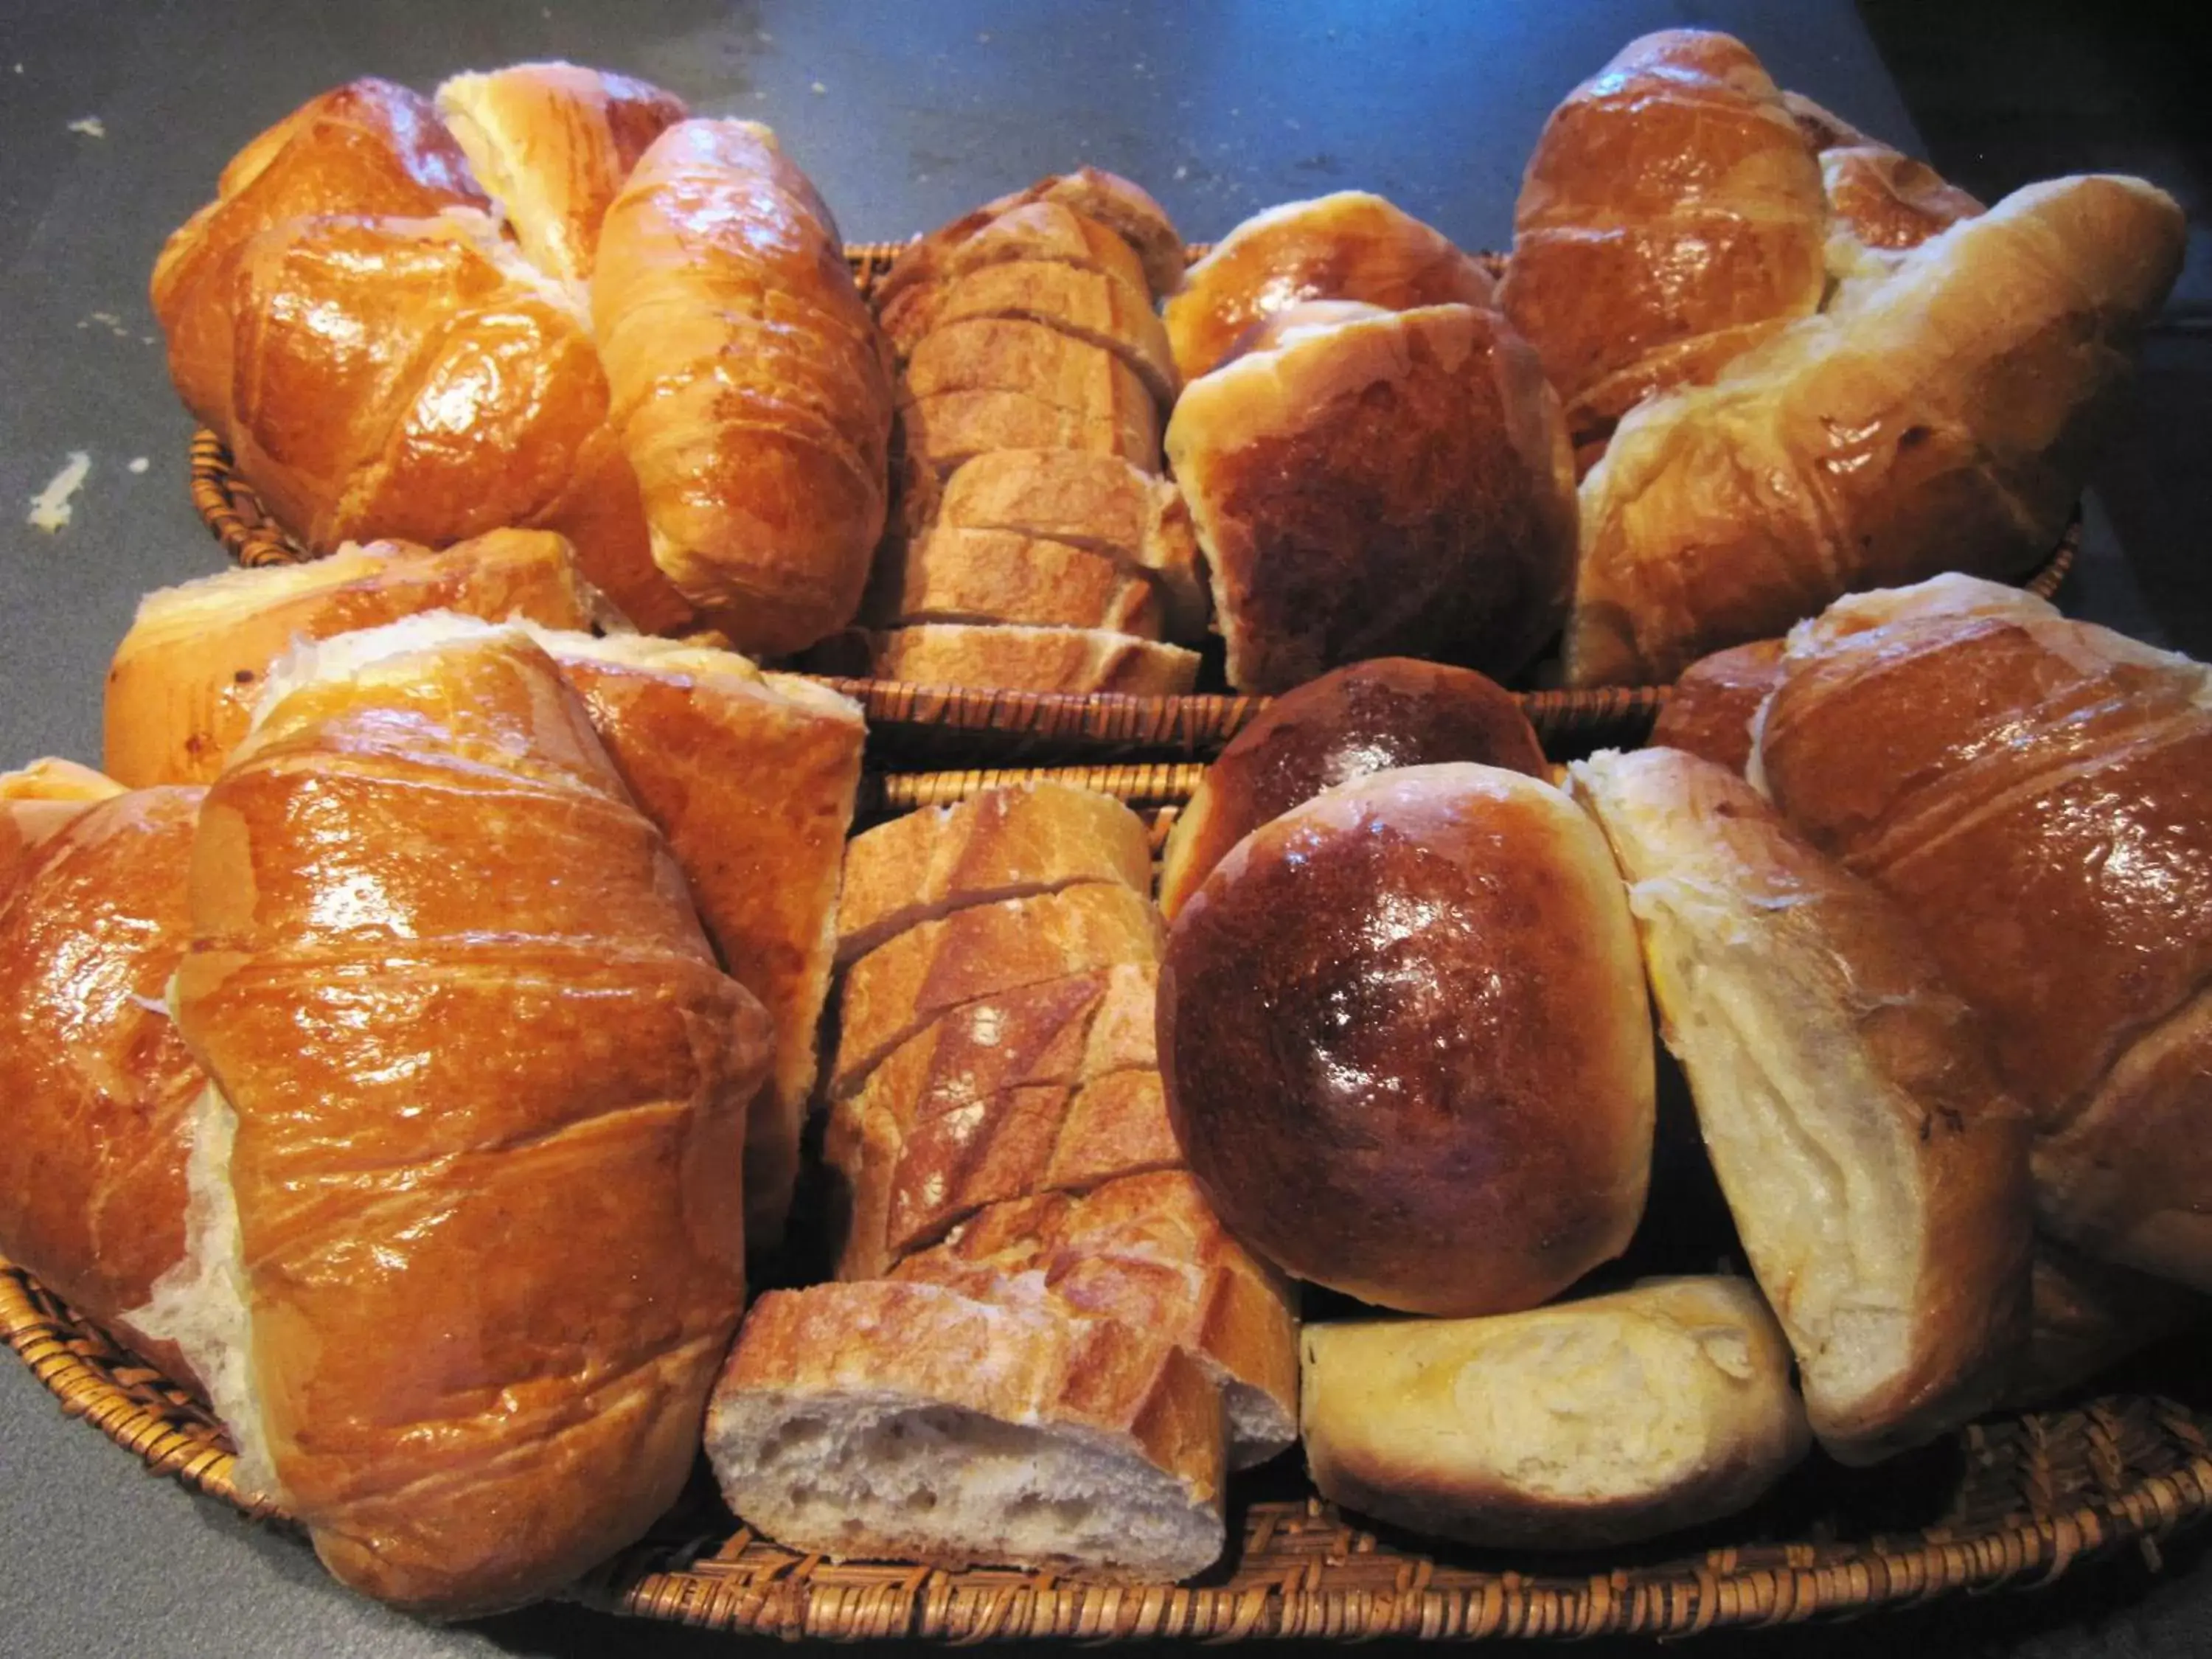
x,y
466,1241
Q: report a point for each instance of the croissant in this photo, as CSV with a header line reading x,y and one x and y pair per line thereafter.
x,y
1940,414
1671,217
2036,792
751,388
38,802
466,1241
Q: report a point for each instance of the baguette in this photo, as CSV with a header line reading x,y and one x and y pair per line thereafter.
x,y
946,429
1086,305
1050,231
1083,659
998,576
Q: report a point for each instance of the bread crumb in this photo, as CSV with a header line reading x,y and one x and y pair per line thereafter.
x,y
90,126
50,507
138,463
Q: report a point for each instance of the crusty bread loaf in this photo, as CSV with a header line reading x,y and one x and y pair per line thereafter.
x,y
1940,414
2034,793
98,1086
182,690
1146,1250
1671,217
947,575
934,967
1407,1043
993,353
1347,245
1000,844
1033,658
910,1423
1709,710
1352,721
944,431
1875,1166
552,144
478,1072
1039,230
1592,1423
1395,483
37,803
1086,305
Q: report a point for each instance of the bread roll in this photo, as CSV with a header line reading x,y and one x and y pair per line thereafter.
x,y
553,143
2034,793
1406,1041
1077,659
1940,415
910,1423
1882,198
1000,844
1876,1168
1396,483
1347,245
98,1086
1670,218
1593,1423
749,388
183,685
477,1072
1352,722
1711,709
37,803
1147,1251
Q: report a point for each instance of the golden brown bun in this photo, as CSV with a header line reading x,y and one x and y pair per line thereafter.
x,y
1349,246
2034,793
1596,1422
910,1423
422,901
2089,1316
1710,711
1146,1251
1000,844
99,1084
1876,1167
552,144
37,803
181,690
1671,217
367,147
751,777
749,388
1406,1046
1882,198
1089,307
1032,659
1352,721
1386,485
1940,415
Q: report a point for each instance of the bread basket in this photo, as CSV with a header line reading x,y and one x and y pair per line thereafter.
x,y
922,724
2011,1502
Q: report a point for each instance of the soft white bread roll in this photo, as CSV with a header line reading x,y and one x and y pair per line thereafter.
x,y
1082,659
748,384
1147,1250
2036,793
1000,844
1587,1424
1406,1042
38,802
1383,483
181,690
98,1086
552,143
478,1072
1875,1166
1940,414
908,1422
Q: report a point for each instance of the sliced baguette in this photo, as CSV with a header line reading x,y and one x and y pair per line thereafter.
x,y
945,430
1048,231
1084,304
1014,658
1000,844
995,576
1876,1167
908,1422
1148,1250
995,353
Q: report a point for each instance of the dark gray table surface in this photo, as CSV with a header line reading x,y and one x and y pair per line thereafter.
x,y
904,115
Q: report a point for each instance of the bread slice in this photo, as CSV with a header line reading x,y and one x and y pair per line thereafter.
x,y
1584,1424
990,576
1875,1166
1022,659
985,951
942,431
1050,231
1084,304
991,354
1000,844
1148,1250
908,1422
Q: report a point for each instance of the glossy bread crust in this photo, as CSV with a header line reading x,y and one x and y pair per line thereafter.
x,y
1709,713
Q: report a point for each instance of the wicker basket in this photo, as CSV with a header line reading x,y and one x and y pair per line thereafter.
x,y
2009,1504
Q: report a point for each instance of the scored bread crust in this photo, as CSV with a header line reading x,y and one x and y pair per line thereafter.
x,y
1019,658
974,1408
1581,1425
1876,1165
1145,1250
1002,844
